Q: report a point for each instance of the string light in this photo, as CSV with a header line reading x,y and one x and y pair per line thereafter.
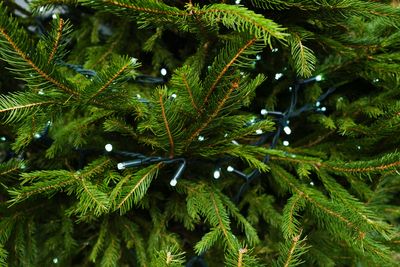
x,y
173,182
3,138
235,142
108,147
54,16
201,138
358,147
230,169
318,78
259,131
285,143
317,104
163,71
173,95
323,109
278,76
55,260
217,173
37,135
258,57
274,50
264,112
312,183
287,130
237,2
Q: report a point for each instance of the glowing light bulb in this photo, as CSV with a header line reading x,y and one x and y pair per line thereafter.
x,y
173,95
134,60
230,169
237,2
54,16
318,78
121,166
312,183
173,182
55,260
264,111
317,104
3,138
201,138
323,109
217,174
258,57
108,147
287,130
163,72
37,135
259,131
235,142
285,143
138,96
278,76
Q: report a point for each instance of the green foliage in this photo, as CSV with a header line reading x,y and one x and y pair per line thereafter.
x,y
66,93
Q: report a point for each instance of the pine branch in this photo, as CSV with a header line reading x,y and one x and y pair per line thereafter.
x,y
56,40
171,139
303,57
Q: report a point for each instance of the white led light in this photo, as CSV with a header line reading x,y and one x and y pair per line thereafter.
x,y
264,111
259,131
201,138
217,174
318,78
173,95
287,130
163,72
121,166
285,143
290,88
358,147
278,76
41,9
235,142
138,96
274,50
323,109
54,16
55,260
230,169
41,92
237,2
317,104
225,135
258,57
376,80
133,60
312,183
108,147
37,135
173,182
2,138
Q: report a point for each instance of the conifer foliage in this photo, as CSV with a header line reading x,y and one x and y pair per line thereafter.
x,y
105,161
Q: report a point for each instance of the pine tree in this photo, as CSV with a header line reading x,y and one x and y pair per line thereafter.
x,y
199,133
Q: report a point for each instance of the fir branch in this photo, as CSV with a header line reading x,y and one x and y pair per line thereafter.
x,y
303,57
227,66
291,250
111,80
185,82
171,139
141,183
41,72
57,40
221,104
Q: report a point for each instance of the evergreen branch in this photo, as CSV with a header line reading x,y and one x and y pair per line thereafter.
x,y
141,182
227,66
57,40
303,57
291,250
151,7
185,82
26,106
220,221
111,80
171,139
240,257
221,104
42,73
241,19
365,169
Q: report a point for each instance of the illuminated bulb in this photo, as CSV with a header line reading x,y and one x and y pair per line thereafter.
x,y
235,142
285,143
173,182
41,9
264,111
108,147
358,147
274,50
201,138
121,166
54,16
217,174
163,72
312,183
138,96
290,88
3,138
173,95
376,80
287,130
323,109
318,78
230,169
37,135
259,131
278,76
225,135
55,260
317,104
133,60
237,2
258,57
